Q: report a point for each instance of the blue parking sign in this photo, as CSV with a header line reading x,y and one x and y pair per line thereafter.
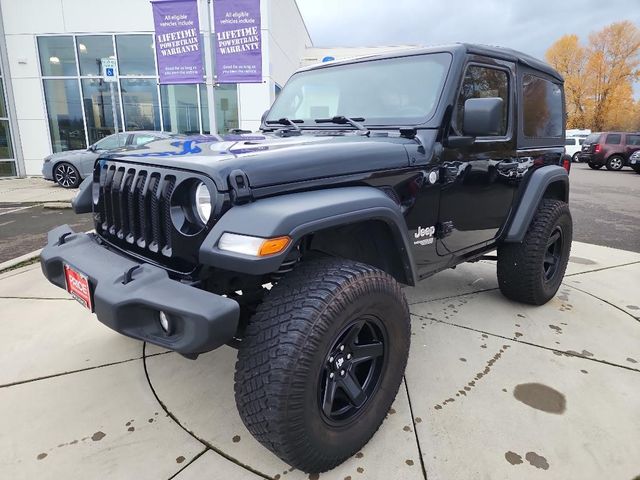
x,y
109,72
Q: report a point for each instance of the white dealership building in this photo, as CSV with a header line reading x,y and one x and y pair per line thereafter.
x,y
51,94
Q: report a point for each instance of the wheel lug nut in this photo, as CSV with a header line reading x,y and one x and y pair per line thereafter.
x,y
342,373
331,359
348,356
331,375
341,348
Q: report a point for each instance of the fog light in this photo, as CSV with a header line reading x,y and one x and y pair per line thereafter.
x,y
165,323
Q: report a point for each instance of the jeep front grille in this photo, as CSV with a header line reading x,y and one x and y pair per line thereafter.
x,y
135,206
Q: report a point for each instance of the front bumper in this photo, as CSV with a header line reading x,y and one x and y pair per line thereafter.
x,y
47,170
201,321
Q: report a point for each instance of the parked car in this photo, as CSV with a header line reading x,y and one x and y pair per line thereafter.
x,y
634,161
609,149
69,168
573,147
342,197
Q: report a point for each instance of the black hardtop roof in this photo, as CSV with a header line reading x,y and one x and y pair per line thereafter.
x,y
486,50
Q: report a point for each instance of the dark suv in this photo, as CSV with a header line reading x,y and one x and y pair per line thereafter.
x,y
610,149
291,244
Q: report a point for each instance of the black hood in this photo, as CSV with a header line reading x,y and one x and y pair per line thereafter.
x,y
271,159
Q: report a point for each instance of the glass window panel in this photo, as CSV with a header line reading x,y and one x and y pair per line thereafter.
x,y
542,110
6,150
226,98
481,82
64,110
142,138
98,111
3,106
91,49
633,139
112,141
135,55
140,102
57,57
180,108
8,169
613,139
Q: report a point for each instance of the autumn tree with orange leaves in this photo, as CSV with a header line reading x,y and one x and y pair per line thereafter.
x,y
599,77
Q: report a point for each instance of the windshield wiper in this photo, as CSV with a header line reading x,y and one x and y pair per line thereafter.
x,y
342,120
286,121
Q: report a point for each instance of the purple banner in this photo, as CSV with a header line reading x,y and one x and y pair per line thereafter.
x,y
178,46
238,42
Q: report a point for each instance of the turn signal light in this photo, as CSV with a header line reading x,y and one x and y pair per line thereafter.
x,y
254,246
273,245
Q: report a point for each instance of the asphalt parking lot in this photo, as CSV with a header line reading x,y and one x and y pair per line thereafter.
x,y
23,228
605,208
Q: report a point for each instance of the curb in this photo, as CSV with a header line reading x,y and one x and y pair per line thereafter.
x,y
9,264
57,205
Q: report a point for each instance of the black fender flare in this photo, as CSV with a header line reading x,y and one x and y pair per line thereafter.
x,y
300,214
534,191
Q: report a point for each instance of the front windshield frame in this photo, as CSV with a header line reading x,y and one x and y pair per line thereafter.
x,y
276,113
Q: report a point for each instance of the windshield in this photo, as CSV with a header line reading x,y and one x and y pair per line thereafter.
x,y
395,91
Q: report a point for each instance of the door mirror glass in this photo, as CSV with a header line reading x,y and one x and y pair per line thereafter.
x,y
483,116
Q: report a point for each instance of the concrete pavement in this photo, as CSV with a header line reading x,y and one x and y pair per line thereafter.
x,y
33,190
493,389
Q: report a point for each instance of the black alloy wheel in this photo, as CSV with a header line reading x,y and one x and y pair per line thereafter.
x,y
553,254
352,370
66,175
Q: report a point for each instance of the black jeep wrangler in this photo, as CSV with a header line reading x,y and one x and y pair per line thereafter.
x,y
292,244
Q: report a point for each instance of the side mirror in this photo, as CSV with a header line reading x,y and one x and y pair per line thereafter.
x,y
92,148
264,115
482,116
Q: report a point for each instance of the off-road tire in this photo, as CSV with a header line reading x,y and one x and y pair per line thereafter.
x,y
66,175
636,168
594,166
284,354
575,158
521,266
614,163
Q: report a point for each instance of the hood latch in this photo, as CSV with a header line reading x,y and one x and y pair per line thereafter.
x,y
240,190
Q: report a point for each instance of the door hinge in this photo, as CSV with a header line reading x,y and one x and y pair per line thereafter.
x,y
240,190
444,229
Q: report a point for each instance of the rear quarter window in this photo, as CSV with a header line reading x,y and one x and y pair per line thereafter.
x,y
613,139
542,108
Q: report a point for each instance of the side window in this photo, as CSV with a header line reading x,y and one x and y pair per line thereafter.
x,y
633,139
112,141
542,108
483,82
142,139
613,139
570,141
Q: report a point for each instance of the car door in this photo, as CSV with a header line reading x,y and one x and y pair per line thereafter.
x,y
477,180
632,144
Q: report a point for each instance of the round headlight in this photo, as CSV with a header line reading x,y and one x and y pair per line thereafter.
x,y
203,202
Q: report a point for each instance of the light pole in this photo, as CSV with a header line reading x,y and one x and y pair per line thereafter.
x,y
210,77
